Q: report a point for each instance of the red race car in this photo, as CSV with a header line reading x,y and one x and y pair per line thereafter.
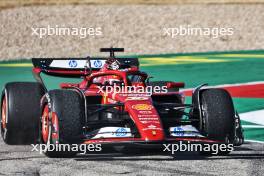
x,y
114,104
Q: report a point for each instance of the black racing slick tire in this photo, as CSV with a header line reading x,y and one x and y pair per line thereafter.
x,y
218,118
63,115
20,112
218,114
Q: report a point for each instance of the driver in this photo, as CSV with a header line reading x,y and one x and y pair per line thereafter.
x,y
110,64
114,64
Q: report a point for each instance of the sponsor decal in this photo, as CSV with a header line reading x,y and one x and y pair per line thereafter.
x,y
145,122
156,129
145,112
178,131
97,64
137,98
146,116
142,107
184,130
133,93
148,119
111,100
73,63
152,126
77,63
111,132
68,63
121,132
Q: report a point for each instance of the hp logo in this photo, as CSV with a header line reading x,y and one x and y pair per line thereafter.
x,y
73,63
98,64
121,132
179,131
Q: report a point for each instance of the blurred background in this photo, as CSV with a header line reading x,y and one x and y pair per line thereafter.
x,y
136,25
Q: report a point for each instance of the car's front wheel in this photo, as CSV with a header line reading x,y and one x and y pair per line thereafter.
x,y
218,116
61,122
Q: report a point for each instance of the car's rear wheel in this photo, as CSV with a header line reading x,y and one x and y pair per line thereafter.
x,y
62,122
20,111
218,116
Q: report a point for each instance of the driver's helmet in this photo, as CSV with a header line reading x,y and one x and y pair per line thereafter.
x,y
112,64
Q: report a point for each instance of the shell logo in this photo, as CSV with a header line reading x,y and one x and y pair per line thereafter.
x,y
142,107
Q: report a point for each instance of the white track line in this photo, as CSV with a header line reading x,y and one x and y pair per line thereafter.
x,y
230,85
253,117
261,142
252,126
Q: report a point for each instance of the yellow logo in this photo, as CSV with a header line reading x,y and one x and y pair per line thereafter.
x,y
142,107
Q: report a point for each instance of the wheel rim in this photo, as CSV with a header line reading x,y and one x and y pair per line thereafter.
x,y
45,124
4,113
55,128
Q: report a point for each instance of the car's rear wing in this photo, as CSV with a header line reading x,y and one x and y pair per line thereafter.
x,y
73,67
76,67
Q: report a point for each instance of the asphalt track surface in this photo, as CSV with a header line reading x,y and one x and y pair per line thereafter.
x,y
247,159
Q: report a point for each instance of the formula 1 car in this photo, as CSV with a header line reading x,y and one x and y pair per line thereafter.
x,y
98,110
